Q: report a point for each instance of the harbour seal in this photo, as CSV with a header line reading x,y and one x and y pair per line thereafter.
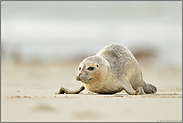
x,y
111,70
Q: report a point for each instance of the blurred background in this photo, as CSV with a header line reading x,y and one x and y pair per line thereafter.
x,y
43,43
63,32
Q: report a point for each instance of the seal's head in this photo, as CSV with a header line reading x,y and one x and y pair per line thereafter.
x,y
93,69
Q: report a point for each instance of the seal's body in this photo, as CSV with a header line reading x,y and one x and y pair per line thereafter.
x,y
111,70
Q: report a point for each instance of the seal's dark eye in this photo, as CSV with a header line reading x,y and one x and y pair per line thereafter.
x,y
79,68
90,68
97,65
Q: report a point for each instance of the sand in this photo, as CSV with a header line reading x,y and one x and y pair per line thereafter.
x,y
27,94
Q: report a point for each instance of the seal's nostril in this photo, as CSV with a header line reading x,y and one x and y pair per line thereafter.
x,y
80,74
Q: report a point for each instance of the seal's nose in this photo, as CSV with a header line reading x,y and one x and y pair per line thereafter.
x,y
78,77
80,74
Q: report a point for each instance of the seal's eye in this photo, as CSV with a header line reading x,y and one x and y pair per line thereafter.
x,y
79,68
90,68
97,65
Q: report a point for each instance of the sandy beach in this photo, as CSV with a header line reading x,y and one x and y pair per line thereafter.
x,y
27,94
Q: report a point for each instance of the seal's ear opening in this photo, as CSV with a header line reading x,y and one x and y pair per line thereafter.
x,y
97,65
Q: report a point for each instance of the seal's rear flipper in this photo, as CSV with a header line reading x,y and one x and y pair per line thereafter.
x,y
150,89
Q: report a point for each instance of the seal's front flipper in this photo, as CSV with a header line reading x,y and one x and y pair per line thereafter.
x,y
128,88
63,90
85,92
140,91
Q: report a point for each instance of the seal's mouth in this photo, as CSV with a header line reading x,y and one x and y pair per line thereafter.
x,y
84,79
78,78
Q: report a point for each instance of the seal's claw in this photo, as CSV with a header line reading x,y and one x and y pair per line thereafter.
x,y
140,91
60,91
